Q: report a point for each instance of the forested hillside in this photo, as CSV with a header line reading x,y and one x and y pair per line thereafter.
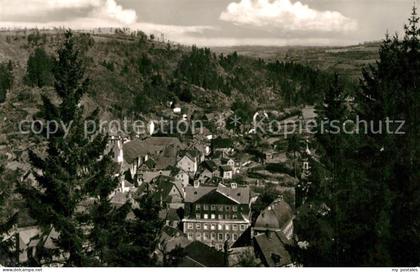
x,y
141,74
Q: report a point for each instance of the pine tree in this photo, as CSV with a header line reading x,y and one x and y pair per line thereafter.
x,y
6,79
70,166
391,90
39,71
344,210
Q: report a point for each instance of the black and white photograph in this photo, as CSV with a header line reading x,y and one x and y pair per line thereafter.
x,y
222,134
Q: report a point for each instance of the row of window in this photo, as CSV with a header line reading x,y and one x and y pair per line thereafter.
x,y
234,227
220,208
219,216
206,236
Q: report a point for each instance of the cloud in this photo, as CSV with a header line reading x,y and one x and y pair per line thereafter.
x,y
285,15
103,10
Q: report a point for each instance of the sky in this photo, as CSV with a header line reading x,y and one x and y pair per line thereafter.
x,y
222,22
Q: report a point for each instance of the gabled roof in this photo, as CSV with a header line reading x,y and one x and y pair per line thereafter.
x,y
192,194
164,186
215,197
239,195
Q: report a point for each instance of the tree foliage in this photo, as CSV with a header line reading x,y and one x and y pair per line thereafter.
x,y
361,204
6,79
39,71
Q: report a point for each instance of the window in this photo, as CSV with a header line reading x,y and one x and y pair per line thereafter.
x,y
197,216
220,227
206,236
234,237
213,216
220,208
198,235
190,226
198,226
227,208
213,236
235,208
227,236
213,226
242,227
213,207
197,207
227,227
220,236
190,236
234,216
206,216
220,216
205,207
206,226
235,227
219,247
227,216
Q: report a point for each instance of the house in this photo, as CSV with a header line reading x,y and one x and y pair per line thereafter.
x,y
162,150
208,171
226,172
278,216
216,214
148,176
171,217
172,238
233,164
271,248
272,233
28,239
189,161
181,176
169,192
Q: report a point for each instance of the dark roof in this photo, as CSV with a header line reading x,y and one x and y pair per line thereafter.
x,y
275,216
245,240
215,197
192,153
272,249
241,194
210,165
199,254
164,186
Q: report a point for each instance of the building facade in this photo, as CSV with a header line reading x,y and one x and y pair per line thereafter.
x,y
216,215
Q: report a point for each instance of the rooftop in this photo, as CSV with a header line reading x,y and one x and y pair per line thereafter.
x,y
241,194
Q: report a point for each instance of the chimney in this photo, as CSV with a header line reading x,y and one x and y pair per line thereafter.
x,y
196,184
